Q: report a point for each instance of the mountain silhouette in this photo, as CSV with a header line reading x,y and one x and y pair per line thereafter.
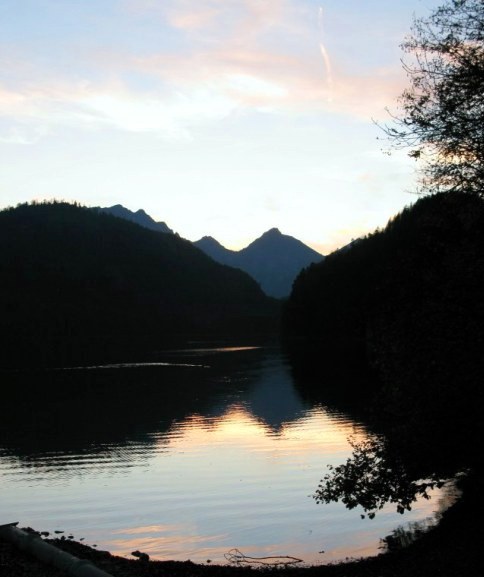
x,y
78,282
216,250
139,217
273,260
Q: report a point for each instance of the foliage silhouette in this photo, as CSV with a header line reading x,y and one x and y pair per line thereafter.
x,y
371,478
442,113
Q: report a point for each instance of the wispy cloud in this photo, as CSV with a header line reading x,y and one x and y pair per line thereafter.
x,y
232,55
222,17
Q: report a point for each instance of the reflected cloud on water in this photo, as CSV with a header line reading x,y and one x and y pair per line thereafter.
x,y
182,462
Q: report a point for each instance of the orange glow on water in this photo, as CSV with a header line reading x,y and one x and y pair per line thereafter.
x,y
236,471
237,426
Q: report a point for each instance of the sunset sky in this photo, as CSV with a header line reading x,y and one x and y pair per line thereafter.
x,y
219,117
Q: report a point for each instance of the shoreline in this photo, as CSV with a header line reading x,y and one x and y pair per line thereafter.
x,y
450,549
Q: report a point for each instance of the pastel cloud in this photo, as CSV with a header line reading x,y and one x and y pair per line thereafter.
x,y
238,16
112,106
220,70
309,74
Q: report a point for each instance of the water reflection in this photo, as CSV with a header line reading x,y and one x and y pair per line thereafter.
x,y
181,462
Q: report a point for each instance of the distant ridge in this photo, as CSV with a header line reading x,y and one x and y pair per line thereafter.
x,y
273,260
139,217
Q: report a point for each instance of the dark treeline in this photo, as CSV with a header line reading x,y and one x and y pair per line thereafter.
x,y
77,283
406,303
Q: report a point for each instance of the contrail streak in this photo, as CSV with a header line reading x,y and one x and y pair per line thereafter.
x,y
324,52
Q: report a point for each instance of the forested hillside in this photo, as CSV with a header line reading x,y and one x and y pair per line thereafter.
x,y
407,301
77,283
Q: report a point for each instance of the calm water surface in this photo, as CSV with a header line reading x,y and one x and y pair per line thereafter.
x,y
202,451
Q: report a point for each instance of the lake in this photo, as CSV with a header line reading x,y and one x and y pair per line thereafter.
x,y
196,453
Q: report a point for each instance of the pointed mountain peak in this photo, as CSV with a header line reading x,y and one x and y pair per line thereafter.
x,y
208,239
274,244
271,237
273,232
209,242
215,250
274,259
